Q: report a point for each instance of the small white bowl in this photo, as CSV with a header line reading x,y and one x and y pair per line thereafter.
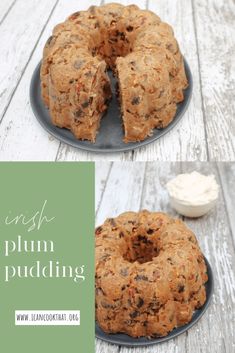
x,y
192,211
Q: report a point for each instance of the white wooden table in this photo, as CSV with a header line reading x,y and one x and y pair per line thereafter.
x,y
133,186
206,33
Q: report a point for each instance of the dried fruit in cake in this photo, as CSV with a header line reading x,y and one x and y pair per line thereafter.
x,y
150,274
137,46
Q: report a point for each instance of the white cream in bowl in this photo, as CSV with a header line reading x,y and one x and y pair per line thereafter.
x,y
193,194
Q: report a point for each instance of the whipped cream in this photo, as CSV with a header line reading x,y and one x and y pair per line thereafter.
x,y
193,189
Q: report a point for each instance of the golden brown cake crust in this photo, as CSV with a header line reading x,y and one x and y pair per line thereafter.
x,y
137,45
150,274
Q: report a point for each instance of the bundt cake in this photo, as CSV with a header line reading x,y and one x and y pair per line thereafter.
x,y
150,274
143,54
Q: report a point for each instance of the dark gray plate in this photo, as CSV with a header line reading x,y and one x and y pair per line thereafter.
x,y
125,340
110,136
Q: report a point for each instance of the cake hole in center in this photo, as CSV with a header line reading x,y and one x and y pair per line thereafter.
x,y
141,248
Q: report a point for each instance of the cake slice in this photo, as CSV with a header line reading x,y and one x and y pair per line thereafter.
x,y
145,94
78,90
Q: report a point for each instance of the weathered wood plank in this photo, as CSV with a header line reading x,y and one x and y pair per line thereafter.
x,y
17,43
187,140
123,190
215,330
102,170
155,194
5,7
68,153
141,3
21,137
215,28
227,177
103,347
171,348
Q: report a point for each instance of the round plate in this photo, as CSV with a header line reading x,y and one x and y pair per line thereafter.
x,y
125,340
110,135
